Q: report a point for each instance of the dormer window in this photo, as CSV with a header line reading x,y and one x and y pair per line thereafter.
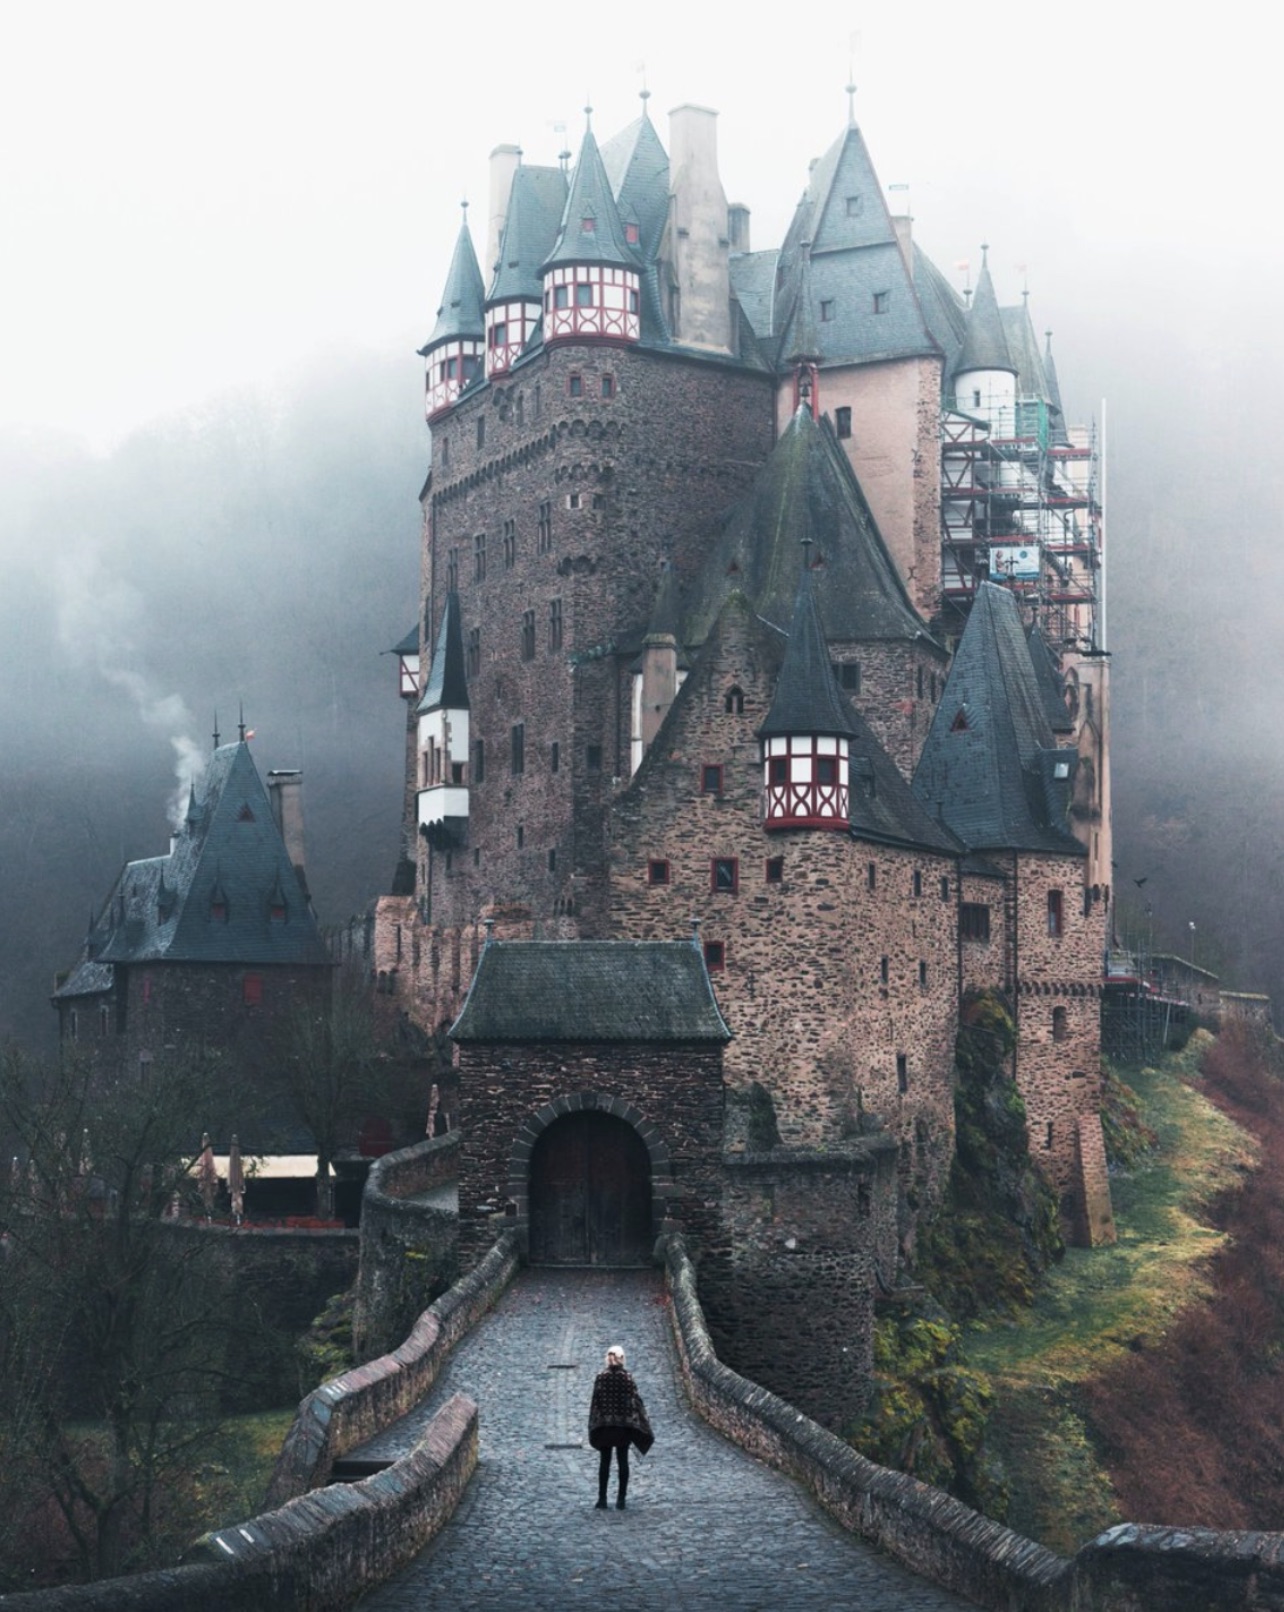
x,y
827,310
276,912
632,234
588,226
245,815
218,911
882,301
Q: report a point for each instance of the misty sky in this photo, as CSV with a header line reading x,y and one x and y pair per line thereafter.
x,y
194,199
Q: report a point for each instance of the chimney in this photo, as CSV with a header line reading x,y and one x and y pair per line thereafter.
x,y
738,227
697,236
285,790
504,162
659,682
898,205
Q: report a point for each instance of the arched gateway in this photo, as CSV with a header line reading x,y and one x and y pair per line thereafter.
x,y
590,1099
590,1193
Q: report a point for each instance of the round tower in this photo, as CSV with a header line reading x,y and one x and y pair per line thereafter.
x,y
591,282
453,353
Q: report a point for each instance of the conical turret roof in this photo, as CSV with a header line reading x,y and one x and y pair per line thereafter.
x,y
534,217
460,313
985,345
807,697
447,685
591,230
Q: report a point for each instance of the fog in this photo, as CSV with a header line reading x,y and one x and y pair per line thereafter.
x,y
226,233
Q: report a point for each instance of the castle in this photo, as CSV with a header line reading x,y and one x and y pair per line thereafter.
x,y
759,590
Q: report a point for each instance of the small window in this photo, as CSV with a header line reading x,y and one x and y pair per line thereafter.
x,y
843,422
573,500
826,310
452,570
960,722
724,875
575,385
552,861
632,234
827,770
528,635
481,430
871,876
218,911
474,651
922,974
479,761
1056,914
974,921
775,870
476,864
521,836
545,528
976,398
855,206
849,676
884,969
715,956
521,408
561,296
593,757
917,884
537,400
245,815
945,887
882,301
608,387
104,1020
554,756
479,557
518,739
918,683
599,500
588,226
778,769
73,1025
633,302
734,703
902,1072
1059,1030
510,545
1047,1137
583,295
252,990
554,625
657,871
710,779
445,452
276,912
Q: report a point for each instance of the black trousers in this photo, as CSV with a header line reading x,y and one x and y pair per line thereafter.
x,y
604,1464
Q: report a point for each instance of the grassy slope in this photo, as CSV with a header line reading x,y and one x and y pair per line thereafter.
x,y
1099,1305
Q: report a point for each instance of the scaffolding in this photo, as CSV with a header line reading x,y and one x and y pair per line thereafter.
x,y
1021,505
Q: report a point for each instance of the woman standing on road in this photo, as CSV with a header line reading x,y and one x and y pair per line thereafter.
x,y
617,1418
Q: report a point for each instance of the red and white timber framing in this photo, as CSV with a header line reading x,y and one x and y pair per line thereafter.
x,y
451,367
509,326
805,781
591,301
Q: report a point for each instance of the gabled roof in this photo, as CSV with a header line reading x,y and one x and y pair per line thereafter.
x,y
985,343
988,769
637,166
534,217
590,990
807,489
882,806
855,258
229,853
447,685
460,313
807,697
591,199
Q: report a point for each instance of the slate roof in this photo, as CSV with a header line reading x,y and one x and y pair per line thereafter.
x,y
591,197
854,256
1057,416
807,697
1023,347
943,308
409,645
882,806
988,767
531,223
447,685
87,978
590,990
637,166
1051,686
807,489
985,342
228,852
460,313
753,280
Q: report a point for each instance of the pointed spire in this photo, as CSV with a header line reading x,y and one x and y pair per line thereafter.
x,y
447,685
1055,408
804,340
807,698
985,346
591,230
460,313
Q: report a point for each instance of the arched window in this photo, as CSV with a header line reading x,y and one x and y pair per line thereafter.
x,y
735,701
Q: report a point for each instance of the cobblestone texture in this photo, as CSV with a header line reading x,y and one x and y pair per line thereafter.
x,y
707,1526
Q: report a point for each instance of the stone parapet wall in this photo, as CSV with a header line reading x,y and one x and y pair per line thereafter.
x,y
353,1407
409,1248
318,1552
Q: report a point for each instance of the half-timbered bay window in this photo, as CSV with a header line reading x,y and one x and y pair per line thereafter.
x,y
806,781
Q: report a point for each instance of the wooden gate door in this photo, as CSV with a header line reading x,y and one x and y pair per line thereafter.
x,y
590,1193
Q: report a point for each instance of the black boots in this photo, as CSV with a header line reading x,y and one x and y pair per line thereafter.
x,y
601,1498
624,1489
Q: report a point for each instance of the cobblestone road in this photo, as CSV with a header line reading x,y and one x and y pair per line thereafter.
x,y
706,1527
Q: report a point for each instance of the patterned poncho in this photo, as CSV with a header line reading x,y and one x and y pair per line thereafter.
x,y
617,1410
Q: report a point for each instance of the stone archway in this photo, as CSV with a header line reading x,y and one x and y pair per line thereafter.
x,y
591,1177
